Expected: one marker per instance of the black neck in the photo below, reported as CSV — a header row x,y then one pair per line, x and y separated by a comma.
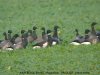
x,y
5,37
13,39
49,40
43,33
9,36
34,34
55,33
77,33
93,30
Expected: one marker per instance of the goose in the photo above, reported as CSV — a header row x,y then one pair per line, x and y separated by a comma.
x,y
10,40
78,40
13,38
92,36
41,38
86,38
55,37
9,35
30,37
5,37
23,43
7,42
19,39
45,42
44,35
34,33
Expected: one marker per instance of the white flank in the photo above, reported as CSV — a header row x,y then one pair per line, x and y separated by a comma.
x,y
9,49
54,43
14,44
75,43
86,43
36,47
45,44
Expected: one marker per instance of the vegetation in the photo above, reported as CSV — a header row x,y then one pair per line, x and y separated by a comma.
x,y
68,14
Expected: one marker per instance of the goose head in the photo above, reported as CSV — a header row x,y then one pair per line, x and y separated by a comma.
x,y
76,30
9,31
4,33
34,27
87,31
56,27
14,37
22,31
93,24
49,32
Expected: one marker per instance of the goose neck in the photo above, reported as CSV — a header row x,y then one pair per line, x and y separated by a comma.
x,y
9,36
55,33
5,37
93,30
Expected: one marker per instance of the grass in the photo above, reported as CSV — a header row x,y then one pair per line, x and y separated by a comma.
x,y
68,14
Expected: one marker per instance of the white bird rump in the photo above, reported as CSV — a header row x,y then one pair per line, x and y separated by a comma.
x,y
75,43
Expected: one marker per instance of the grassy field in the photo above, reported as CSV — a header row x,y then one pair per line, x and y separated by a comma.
x,y
68,14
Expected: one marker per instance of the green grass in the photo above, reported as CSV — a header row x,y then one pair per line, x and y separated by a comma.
x,y
68,14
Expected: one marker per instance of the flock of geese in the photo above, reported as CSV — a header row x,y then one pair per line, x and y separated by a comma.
x,y
21,41
30,37
91,36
